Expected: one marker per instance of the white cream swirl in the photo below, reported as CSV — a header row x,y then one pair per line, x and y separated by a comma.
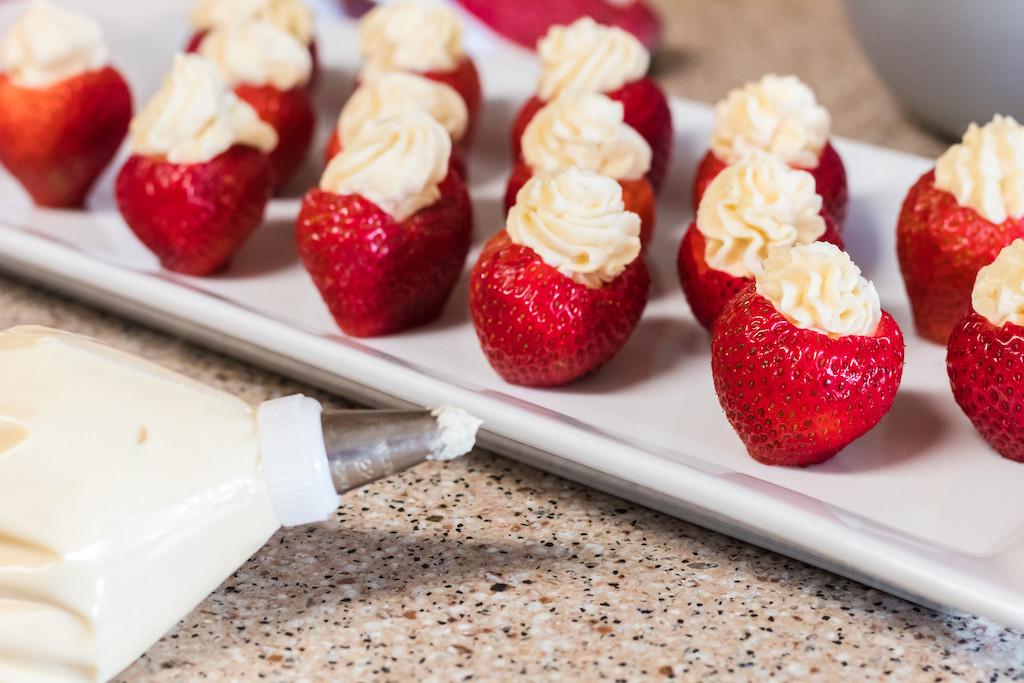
x,y
998,294
410,35
753,205
48,44
818,287
585,130
290,15
258,53
399,92
397,163
777,114
194,116
577,223
589,57
986,170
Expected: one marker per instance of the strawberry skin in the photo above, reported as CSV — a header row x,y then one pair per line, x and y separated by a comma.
x,y
707,289
378,276
645,109
637,195
829,181
941,247
526,23
538,327
794,396
291,114
194,217
57,140
985,364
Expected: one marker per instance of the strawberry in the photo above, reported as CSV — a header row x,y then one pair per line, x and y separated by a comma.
x,y
646,110
377,275
637,195
56,140
527,22
796,396
941,246
829,178
985,364
195,216
291,114
708,290
538,327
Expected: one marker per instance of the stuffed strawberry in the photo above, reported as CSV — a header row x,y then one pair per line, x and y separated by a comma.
x,y
268,68
292,16
985,354
804,360
386,234
399,92
754,205
778,115
557,293
424,38
198,179
956,218
63,110
588,131
587,57
527,21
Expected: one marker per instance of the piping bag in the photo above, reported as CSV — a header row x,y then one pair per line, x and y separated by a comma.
x,y
128,493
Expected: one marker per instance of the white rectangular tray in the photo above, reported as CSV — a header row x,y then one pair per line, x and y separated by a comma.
x,y
920,506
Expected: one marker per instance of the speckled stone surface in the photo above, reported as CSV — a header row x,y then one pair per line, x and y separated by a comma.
x,y
486,569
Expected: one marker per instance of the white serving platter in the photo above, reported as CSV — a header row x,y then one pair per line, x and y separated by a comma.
x,y
920,507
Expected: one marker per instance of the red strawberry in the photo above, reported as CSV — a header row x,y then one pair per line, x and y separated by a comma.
x,y
537,326
985,365
829,179
57,140
291,114
941,246
527,22
380,276
795,396
646,109
708,290
194,217
637,195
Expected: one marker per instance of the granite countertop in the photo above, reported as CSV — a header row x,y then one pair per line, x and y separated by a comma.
x,y
483,568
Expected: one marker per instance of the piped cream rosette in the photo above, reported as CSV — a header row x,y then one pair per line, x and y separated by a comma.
x,y
778,114
195,116
398,163
410,35
48,44
258,53
401,92
754,205
985,171
587,57
587,131
290,15
998,294
576,222
818,287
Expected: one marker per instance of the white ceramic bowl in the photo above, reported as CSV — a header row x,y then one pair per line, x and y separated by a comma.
x,y
949,62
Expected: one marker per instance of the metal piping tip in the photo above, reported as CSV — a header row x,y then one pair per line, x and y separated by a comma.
x,y
366,445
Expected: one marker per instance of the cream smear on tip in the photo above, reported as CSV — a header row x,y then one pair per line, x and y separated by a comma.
x,y
458,432
48,44
114,521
